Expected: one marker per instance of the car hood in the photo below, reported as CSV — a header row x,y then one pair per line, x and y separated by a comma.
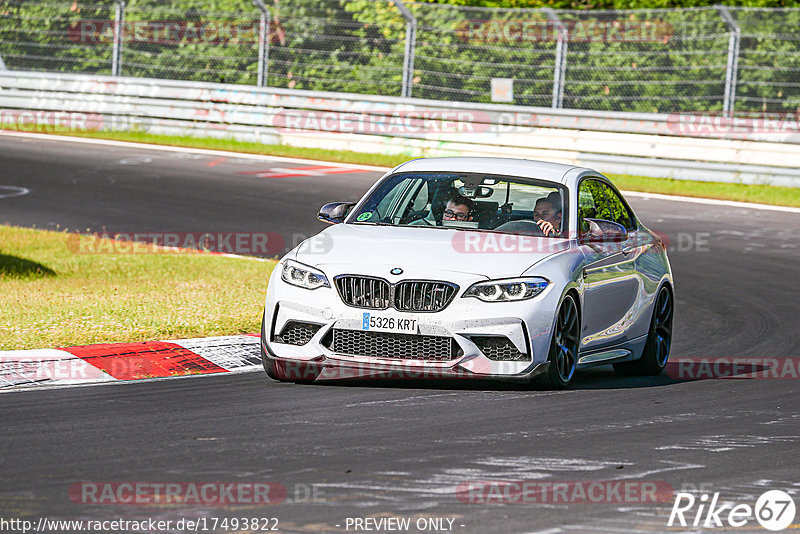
x,y
368,249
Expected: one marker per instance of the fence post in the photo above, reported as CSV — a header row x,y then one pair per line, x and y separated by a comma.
x,y
561,58
2,64
263,43
731,71
119,34
408,55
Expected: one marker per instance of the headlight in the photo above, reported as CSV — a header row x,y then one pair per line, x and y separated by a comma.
x,y
507,290
301,275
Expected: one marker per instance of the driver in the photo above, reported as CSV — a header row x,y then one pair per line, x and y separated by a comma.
x,y
547,213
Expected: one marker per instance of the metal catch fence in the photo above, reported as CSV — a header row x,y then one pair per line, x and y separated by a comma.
x,y
711,59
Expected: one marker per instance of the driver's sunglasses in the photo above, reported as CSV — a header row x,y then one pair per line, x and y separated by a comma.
x,y
450,214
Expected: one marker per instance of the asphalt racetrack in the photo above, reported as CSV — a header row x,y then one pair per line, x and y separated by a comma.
x,y
373,450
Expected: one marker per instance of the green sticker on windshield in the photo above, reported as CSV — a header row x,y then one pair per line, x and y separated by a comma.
x,y
364,216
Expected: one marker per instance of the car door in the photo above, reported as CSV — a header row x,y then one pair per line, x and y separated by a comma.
x,y
611,285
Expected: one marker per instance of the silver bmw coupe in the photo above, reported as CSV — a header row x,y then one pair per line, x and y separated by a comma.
x,y
473,268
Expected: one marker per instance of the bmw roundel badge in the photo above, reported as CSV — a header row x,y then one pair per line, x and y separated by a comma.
x,y
396,270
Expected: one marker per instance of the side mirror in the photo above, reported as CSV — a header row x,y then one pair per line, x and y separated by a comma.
x,y
335,212
602,231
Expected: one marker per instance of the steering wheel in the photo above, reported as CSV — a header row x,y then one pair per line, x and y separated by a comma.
x,y
524,227
414,216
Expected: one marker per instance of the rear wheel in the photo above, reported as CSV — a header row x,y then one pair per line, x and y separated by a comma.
x,y
659,340
563,357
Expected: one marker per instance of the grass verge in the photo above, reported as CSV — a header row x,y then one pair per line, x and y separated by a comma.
x,y
51,296
762,194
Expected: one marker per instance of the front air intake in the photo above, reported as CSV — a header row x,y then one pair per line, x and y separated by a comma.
x,y
297,333
408,296
423,295
364,291
499,348
393,345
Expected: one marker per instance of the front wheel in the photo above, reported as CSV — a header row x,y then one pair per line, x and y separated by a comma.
x,y
563,357
659,340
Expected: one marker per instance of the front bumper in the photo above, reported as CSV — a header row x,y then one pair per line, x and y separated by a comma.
x,y
526,324
324,368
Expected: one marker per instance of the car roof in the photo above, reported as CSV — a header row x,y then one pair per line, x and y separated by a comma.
x,y
526,168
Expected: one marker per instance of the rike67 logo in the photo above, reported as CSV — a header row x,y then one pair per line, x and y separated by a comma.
x,y
774,510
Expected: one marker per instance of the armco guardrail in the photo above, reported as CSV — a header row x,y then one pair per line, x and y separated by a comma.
x,y
747,150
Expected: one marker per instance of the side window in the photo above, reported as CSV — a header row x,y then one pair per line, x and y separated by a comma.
x,y
386,203
586,206
598,201
615,207
416,202
421,200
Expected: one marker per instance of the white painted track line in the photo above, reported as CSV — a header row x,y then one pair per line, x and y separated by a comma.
x,y
184,150
373,168
712,201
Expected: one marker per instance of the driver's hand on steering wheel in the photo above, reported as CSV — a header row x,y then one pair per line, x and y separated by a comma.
x,y
546,227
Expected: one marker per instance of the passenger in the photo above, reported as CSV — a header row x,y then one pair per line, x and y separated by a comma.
x,y
547,214
458,208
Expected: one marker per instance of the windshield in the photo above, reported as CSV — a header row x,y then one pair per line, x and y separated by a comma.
x,y
467,201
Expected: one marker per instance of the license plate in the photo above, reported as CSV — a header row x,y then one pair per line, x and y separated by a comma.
x,y
388,323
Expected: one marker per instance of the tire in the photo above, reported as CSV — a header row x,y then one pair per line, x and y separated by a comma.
x,y
563,356
659,340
